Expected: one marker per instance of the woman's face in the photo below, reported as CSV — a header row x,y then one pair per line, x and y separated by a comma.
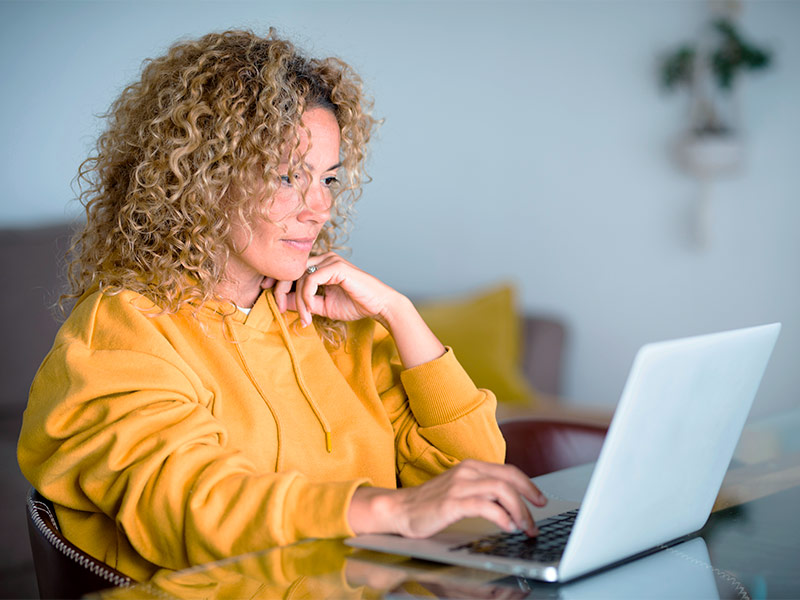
x,y
280,247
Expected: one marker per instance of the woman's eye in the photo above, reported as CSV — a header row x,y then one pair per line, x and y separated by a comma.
x,y
329,181
290,179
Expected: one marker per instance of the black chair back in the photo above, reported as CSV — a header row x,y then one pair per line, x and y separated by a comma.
x,y
62,569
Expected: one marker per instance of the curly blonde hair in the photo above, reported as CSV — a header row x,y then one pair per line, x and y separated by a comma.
x,y
182,143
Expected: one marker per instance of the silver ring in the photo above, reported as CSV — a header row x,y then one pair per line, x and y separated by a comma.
x,y
311,269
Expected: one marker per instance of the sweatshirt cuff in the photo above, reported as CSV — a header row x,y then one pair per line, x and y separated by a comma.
x,y
322,508
440,391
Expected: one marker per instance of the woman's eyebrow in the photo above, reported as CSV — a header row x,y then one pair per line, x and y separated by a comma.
x,y
333,168
310,167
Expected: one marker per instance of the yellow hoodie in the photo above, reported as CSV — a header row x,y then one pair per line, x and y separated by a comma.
x,y
179,439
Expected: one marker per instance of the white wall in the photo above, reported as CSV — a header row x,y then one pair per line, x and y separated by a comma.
x,y
523,141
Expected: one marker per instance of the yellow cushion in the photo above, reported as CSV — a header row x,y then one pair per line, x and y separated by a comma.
x,y
484,331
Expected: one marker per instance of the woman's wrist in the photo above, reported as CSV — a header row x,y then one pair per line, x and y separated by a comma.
x,y
395,311
371,510
416,343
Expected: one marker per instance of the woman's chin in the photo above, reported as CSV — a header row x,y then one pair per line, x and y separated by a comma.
x,y
289,274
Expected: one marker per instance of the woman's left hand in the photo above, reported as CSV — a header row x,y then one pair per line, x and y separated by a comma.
x,y
346,293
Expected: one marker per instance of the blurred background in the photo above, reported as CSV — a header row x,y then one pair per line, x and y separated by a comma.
x,y
526,142
530,143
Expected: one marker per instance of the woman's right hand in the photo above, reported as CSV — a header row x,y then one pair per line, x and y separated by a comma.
x,y
470,489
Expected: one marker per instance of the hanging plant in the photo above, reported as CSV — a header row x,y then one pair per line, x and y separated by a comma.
x,y
722,60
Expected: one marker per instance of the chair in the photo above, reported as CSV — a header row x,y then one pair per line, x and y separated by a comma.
x,y
62,569
543,341
539,446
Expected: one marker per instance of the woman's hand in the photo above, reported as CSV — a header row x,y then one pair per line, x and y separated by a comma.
x,y
346,293
470,489
338,290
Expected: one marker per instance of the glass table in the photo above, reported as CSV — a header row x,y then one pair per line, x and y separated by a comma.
x,y
749,548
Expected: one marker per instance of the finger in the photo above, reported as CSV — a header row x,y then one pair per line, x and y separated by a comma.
x,y
304,293
507,497
291,301
315,307
486,509
428,520
280,291
267,283
306,298
510,474
322,260
504,483
304,289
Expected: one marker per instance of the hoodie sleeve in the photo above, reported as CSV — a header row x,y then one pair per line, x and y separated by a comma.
x,y
128,434
439,417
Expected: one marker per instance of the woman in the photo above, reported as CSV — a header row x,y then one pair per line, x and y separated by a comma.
x,y
187,410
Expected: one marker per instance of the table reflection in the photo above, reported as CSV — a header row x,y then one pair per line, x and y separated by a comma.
x,y
750,548
329,569
745,551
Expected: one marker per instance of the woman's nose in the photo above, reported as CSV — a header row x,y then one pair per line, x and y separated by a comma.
x,y
317,204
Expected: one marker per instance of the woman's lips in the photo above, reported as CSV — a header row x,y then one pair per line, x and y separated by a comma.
x,y
301,244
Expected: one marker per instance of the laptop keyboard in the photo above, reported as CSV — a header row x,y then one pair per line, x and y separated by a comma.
x,y
545,547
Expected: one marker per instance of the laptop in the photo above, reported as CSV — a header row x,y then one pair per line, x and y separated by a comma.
x,y
666,452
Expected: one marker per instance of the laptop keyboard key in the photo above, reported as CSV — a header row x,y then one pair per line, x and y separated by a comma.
x,y
546,547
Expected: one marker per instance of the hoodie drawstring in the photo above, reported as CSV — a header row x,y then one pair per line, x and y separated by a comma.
x,y
298,373
285,336
237,345
287,342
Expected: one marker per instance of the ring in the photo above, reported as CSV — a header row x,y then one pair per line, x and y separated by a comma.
x,y
311,269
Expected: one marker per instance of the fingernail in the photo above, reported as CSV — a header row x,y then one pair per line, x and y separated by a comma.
x,y
530,527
